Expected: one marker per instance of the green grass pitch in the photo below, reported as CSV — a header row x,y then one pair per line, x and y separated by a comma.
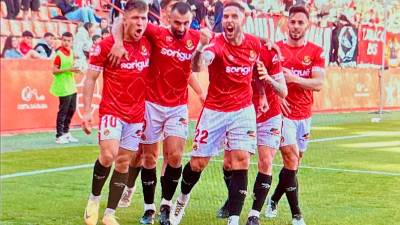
x,y
344,181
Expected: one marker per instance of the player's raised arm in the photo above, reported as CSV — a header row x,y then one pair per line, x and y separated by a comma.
x,y
259,87
205,36
194,83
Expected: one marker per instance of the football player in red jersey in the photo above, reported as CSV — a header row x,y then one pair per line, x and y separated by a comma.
x,y
166,116
303,66
269,126
228,112
121,109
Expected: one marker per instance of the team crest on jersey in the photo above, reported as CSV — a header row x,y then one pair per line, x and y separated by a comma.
x,y
306,60
144,51
169,38
189,45
253,55
251,133
230,57
106,132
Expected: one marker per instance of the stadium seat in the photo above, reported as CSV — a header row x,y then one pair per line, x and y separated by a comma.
x,y
5,27
27,25
15,27
62,27
44,13
51,27
39,28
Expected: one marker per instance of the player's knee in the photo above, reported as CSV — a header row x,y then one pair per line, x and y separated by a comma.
x,y
227,165
175,159
150,160
265,166
240,161
198,165
136,161
291,162
106,159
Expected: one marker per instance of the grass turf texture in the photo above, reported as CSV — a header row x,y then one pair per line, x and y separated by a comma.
x,y
326,197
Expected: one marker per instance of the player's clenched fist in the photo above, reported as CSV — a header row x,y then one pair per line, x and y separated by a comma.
x,y
205,36
87,123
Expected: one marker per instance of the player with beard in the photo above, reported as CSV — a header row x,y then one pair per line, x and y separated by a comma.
x,y
228,112
269,126
121,110
166,116
303,66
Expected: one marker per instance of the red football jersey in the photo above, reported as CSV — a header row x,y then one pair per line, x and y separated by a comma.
x,y
170,65
271,61
124,85
302,61
230,71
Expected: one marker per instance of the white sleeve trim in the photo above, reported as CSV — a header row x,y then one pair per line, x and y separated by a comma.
x,y
95,68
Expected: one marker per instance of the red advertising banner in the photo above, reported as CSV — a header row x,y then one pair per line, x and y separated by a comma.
x,y
27,105
370,45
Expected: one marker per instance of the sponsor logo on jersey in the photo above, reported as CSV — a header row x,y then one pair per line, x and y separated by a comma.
x,y
144,51
244,70
301,73
136,65
176,54
306,60
253,55
189,45
251,133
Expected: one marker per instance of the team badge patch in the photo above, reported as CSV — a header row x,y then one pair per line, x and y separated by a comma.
x,y
253,55
274,131
251,133
106,132
306,137
195,147
144,51
306,60
189,44
183,121
139,133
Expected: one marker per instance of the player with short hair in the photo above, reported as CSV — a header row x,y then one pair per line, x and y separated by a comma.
x,y
269,126
228,112
303,66
166,116
121,109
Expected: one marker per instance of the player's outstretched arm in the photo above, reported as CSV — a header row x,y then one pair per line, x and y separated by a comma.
x,y
117,51
194,83
315,83
88,88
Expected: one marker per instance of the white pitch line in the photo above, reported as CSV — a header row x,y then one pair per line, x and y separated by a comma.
x,y
68,168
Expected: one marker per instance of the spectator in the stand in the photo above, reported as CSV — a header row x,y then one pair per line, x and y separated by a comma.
x,y
26,42
45,46
199,10
154,11
72,12
82,44
105,33
32,5
218,13
13,7
64,87
102,25
96,39
10,50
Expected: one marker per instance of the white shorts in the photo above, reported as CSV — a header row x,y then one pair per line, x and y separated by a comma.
x,y
269,132
296,132
128,134
162,121
237,130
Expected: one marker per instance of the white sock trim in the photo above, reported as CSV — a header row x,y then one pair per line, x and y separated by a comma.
x,y
233,220
109,212
94,197
149,207
183,198
166,202
254,213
